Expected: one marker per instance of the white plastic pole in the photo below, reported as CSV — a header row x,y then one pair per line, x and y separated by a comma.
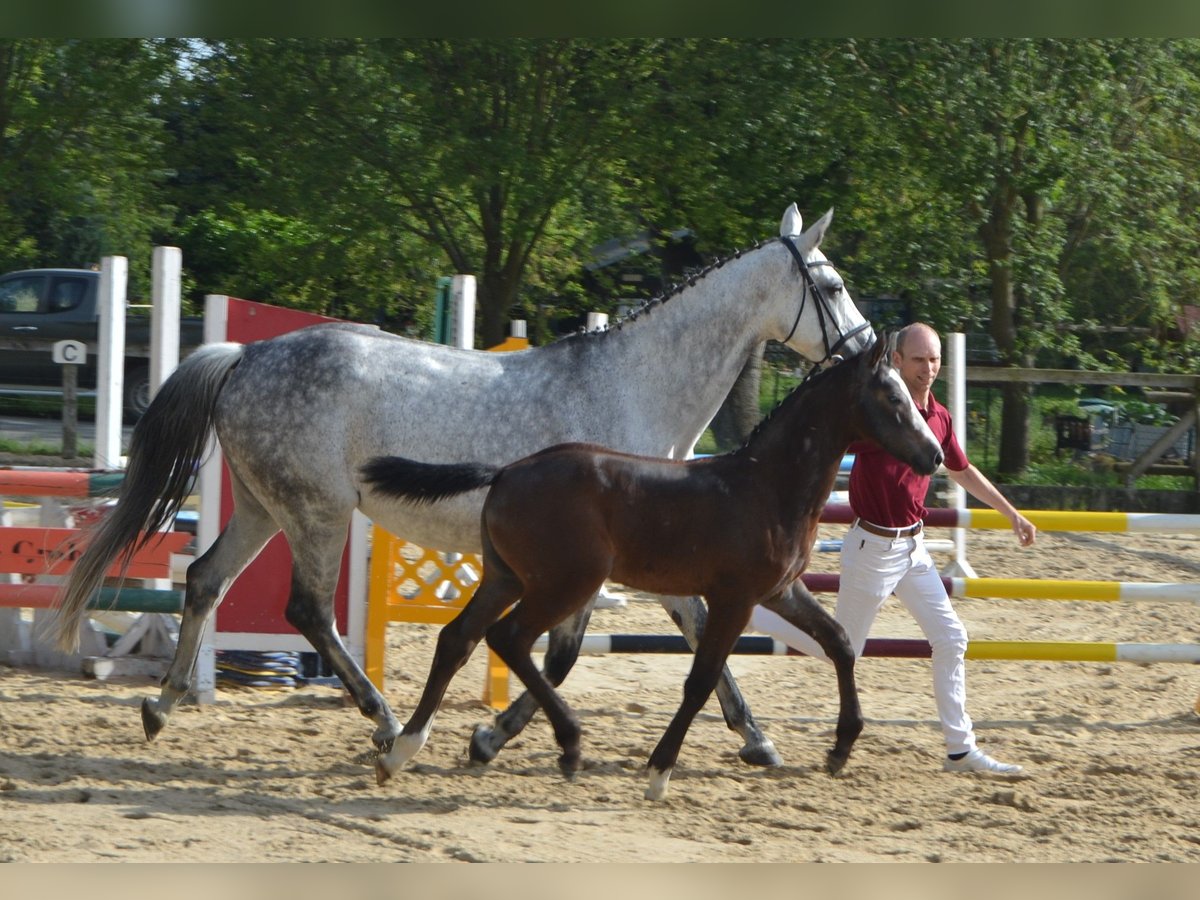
x,y
462,306
208,528
166,292
956,373
110,361
597,321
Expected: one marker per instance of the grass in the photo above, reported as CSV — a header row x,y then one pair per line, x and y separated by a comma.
x,y
43,408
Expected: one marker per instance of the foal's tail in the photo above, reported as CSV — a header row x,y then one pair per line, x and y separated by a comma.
x,y
425,483
168,444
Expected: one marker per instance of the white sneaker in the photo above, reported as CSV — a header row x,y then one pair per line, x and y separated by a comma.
x,y
978,761
605,600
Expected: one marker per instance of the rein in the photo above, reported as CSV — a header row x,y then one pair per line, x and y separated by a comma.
x,y
822,305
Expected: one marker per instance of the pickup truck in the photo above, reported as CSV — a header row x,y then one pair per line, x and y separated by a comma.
x,y
39,307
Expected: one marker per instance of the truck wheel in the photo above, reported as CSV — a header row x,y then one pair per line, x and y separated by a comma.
x,y
137,392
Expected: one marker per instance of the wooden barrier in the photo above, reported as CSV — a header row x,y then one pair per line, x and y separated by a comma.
x,y
37,552
52,551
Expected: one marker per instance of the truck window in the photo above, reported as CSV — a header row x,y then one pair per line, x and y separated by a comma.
x,y
20,295
67,293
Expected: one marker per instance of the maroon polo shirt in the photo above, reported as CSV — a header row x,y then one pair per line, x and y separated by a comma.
x,y
888,492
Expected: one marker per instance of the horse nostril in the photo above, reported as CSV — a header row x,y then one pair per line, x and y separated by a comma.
x,y
938,458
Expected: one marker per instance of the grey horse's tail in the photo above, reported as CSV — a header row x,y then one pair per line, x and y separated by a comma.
x,y
168,444
425,483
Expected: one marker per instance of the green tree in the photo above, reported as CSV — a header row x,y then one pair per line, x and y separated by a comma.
x,y
81,142
1024,152
502,155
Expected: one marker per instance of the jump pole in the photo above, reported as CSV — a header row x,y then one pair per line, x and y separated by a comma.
x,y
906,648
1044,519
1041,589
123,599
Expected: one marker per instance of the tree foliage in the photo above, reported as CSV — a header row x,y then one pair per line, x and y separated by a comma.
x,y
1041,190
82,165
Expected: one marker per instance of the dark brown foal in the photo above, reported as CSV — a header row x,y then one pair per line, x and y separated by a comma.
x,y
737,529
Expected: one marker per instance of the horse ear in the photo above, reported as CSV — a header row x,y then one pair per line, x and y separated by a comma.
x,y
881,350
792,223
816,232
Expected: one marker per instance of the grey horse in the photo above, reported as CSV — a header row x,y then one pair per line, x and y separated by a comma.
x,y
298,415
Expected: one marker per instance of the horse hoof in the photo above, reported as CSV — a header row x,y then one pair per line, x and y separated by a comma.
x,y
835,762
657,788
384,740
382,773
569,766
763,754
152,720
480,750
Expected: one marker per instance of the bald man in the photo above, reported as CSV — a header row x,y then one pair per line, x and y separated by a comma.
x,y
884,553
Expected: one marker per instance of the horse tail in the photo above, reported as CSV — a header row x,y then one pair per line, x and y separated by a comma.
x,y
168,444
425,483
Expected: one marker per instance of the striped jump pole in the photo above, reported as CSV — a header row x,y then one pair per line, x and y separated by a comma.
x,y
907,648
57,483
1041,589
1044,519
124,599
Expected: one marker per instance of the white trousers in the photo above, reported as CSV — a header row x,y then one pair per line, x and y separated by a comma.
x,y
873,568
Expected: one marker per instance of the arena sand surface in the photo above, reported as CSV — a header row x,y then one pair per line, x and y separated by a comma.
x,y
1112,753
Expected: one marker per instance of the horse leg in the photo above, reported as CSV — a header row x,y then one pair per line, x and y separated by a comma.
x,y
689,614
798,606
208,578
455,644
562,652
316,564
512,639
726,620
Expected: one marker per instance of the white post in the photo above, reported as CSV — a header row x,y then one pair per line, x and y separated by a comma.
x,y
110,361
597,321
208,528
166,291
956,368
516,328
462,312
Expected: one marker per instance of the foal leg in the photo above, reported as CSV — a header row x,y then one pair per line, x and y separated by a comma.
x,y
689,614
512,638
798,606
208,578
455,644
565,640
726,620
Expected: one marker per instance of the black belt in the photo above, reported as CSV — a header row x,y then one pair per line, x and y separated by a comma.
x,y
894,533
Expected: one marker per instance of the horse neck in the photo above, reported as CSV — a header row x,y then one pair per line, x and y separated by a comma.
x,y
693,345
803,441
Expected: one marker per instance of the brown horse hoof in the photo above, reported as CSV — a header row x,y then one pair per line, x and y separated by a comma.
x,y
152,720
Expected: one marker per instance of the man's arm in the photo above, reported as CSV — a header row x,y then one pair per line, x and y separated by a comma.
x,y
978,486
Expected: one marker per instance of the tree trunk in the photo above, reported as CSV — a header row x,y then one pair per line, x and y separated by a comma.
x,y
739,414
996,234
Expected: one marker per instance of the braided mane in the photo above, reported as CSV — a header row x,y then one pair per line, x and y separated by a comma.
x,y
674,290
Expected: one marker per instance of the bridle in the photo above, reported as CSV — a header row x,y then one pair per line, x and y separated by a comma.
x,y
822,305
